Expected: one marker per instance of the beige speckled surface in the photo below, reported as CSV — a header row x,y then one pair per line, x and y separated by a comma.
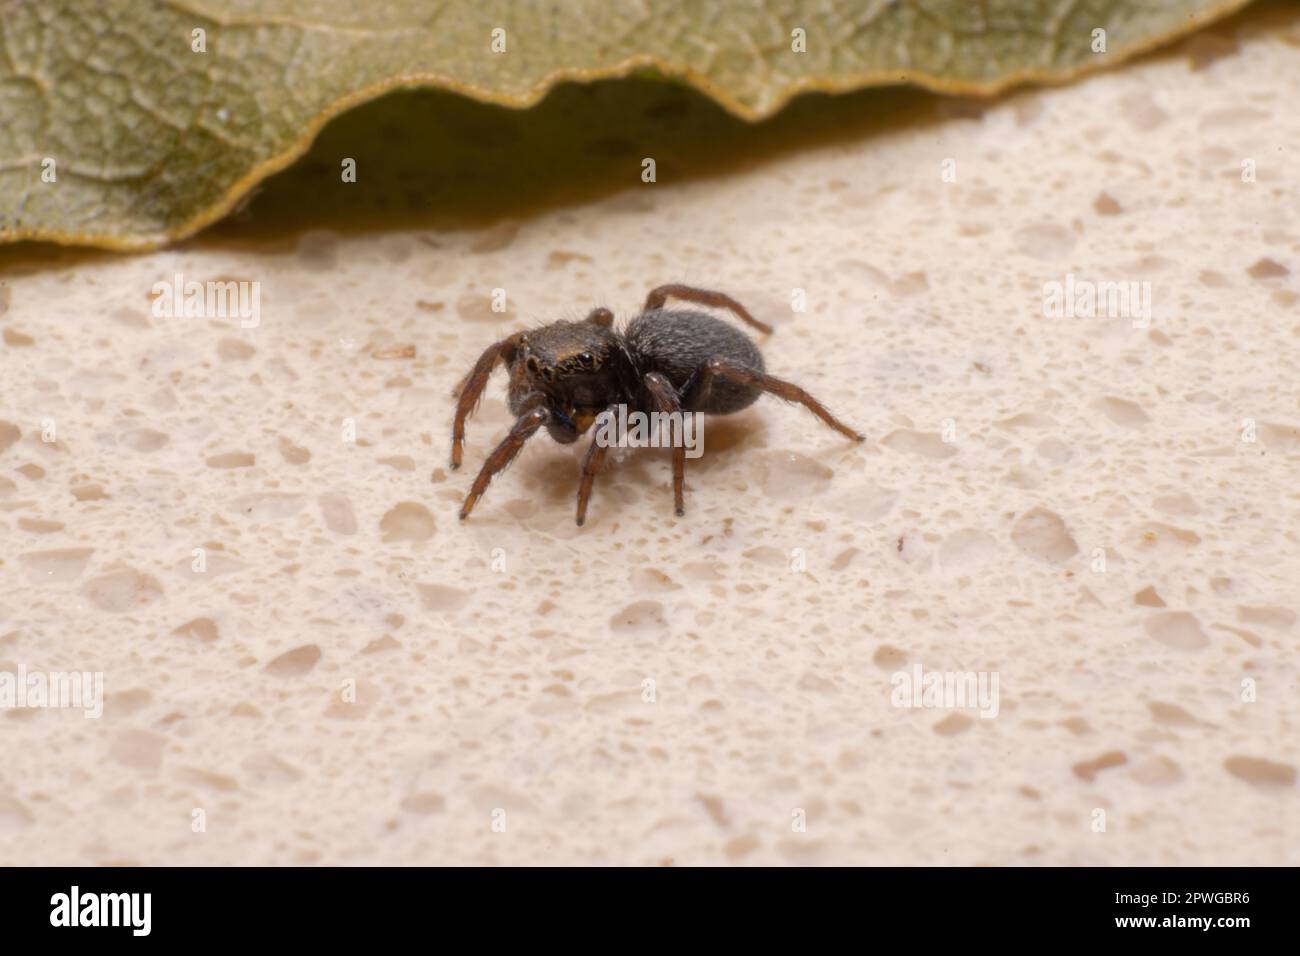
x,y
501,664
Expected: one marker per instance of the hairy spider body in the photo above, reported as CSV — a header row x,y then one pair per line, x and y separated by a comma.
x,y
678,345
564,375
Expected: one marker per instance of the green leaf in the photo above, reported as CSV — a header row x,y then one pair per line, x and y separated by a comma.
x,y
117,131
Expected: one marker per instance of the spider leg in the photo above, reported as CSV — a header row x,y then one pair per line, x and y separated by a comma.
x,y
470,390
721,368
591,466
717,300
664,398
524,428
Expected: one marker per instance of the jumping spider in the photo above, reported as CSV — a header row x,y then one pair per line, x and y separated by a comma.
x,y
563,375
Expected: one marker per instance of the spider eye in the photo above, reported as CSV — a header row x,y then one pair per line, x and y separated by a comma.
x,y
586,360
531,365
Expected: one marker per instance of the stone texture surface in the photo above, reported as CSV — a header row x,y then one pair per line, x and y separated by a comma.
x,y
351,675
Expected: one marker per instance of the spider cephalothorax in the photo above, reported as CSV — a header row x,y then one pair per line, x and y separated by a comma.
x,y
575,366
564,375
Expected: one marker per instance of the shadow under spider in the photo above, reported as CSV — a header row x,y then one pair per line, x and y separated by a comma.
x,y
547,474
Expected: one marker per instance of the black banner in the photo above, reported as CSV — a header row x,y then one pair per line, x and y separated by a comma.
x,y
334,906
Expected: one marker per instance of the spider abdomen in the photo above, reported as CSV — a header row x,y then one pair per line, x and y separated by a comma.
x,y
679,343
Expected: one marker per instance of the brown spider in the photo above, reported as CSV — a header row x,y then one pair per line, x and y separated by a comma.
x,y
564,375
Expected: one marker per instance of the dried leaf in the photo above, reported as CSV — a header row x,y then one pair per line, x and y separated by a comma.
x,y
130,123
